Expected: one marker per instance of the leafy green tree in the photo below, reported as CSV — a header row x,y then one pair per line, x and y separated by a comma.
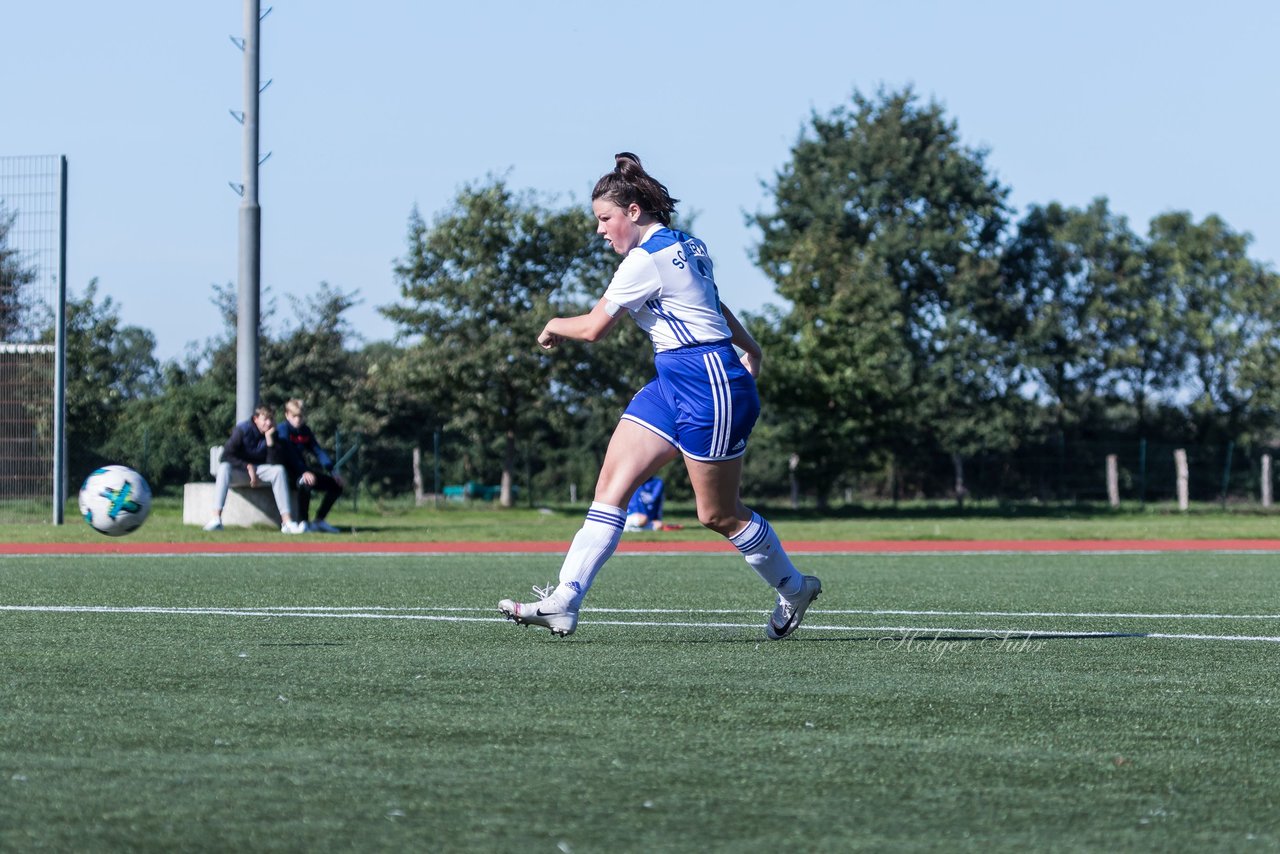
x,y
1051,305
884,237
477,286
316,359
1259,368
108,366
1142,358
167,435
1228,320
312,358
14,276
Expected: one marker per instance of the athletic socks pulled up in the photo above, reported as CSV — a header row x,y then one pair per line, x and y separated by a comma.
x,y
594,543
764,552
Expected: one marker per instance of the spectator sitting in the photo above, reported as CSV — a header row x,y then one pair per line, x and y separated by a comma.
x,y
644,512
298,440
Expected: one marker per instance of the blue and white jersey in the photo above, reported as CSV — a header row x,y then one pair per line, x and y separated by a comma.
x,y
667,284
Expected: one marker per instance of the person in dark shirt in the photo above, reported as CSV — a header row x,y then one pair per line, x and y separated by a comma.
x,y
297,441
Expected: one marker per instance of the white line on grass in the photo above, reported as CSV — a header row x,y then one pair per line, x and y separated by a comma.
x,y
374,610
889,612
389,614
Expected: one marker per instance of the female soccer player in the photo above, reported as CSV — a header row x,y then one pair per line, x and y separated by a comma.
x,y
702,404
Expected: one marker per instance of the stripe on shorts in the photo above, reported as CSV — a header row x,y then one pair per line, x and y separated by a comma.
x,y
722,403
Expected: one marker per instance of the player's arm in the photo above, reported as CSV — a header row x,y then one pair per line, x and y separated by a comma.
x,y
751,352
589,327
231,449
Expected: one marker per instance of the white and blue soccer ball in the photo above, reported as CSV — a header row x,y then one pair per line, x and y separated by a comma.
x,y
115,500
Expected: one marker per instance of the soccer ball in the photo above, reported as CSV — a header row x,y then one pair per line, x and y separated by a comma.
x,y
115,500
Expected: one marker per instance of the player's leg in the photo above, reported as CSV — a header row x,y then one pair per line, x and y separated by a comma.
x,y
304,501
332,492
278,477
635,453
719,409
716,487
221,486
638,522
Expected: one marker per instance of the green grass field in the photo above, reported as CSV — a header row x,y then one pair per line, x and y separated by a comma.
x,y
377,703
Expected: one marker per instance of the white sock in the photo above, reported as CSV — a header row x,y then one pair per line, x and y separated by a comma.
x,y
592,546
763,550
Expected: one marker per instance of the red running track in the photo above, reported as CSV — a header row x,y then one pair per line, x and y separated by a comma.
x,y
344,546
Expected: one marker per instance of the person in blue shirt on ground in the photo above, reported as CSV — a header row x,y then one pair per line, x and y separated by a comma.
x,y
297,437
251,457
702,404
644,511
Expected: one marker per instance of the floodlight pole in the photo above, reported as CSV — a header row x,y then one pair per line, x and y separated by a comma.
x,y
250,262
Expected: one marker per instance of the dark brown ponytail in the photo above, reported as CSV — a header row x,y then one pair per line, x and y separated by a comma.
x,y
628,183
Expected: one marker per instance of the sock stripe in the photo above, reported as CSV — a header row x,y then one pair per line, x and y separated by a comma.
x,y
758,539
754,539
613,520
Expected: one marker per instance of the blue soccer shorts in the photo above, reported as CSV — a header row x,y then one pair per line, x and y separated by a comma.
x,y
703,401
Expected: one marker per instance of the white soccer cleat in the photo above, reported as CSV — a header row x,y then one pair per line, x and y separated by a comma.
x,y
560,619
324,527
786,617
293,526
213,525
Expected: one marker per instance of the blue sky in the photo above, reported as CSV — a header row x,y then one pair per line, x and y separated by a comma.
x,y
380,106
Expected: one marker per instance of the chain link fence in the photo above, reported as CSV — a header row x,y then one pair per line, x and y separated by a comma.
x,y
32,257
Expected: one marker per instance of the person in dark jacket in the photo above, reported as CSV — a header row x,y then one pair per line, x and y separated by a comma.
x,y
297,441
251,457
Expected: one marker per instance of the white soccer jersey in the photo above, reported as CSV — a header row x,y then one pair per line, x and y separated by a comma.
x,y
667,284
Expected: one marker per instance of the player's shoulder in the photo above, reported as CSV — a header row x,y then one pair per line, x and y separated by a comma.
x,y
665,238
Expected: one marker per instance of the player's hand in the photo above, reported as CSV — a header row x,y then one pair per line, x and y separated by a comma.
x,y
548,340
309,478
253,475
752,364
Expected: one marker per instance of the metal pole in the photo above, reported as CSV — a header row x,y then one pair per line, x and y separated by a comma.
x,y
1226,473
60,357
435,449
1142,471
250,262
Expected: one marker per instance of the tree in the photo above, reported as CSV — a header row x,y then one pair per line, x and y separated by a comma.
x,y
168,432
13,278
1227,319
167,435
1052,305
108,366
1142,357
314,359
884,237
476,287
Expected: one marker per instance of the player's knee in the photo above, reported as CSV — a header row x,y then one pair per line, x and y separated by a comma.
x,y
720,522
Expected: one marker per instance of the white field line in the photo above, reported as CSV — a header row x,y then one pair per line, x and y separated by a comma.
x,y
758,611
390,614
378,610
